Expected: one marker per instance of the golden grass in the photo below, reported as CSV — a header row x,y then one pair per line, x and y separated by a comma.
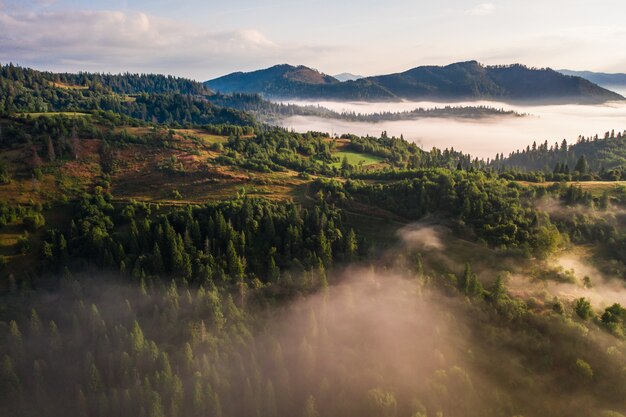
x,y
203,135
596,188
55,113
68,86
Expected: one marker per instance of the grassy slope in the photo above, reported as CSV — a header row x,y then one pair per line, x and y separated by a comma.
x,y
596,188
184,172
357,158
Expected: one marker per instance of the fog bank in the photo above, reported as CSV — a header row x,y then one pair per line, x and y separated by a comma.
x,y
479,137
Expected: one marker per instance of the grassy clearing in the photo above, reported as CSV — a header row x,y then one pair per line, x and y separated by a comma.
x,y
355,158
9,236
596,188
202,134
68,86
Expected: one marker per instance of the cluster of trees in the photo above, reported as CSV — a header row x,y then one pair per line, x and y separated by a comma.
x,y
588,158
126,83
490,209
403,155
245,240
229,130
275,149
613,318
176,110
586,219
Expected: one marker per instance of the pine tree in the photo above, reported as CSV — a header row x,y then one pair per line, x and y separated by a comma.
x,y
582,166
310,410
137,339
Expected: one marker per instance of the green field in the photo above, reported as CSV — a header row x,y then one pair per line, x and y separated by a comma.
x,y
355,158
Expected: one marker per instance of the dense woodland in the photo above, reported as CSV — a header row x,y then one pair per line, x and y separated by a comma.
x,y
589,158
151,98
306,281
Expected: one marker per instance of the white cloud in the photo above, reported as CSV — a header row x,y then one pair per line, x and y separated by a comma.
x,y
482,9
119,41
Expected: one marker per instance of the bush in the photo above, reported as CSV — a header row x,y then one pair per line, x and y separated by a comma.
x,y
34,222
583,308
23,244
584,369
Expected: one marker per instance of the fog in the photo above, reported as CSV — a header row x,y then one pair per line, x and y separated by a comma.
x,y
479,137
380,341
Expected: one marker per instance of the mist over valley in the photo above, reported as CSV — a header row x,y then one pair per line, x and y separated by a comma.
x,y
483,137
442,237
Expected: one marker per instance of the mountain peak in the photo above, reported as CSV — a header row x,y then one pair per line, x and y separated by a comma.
x,y
466,80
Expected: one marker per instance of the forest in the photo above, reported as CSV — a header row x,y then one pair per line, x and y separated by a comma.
x,y
586,159
165,255
268,111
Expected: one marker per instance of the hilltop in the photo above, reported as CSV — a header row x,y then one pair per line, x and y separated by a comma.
x,y
287,81
460,81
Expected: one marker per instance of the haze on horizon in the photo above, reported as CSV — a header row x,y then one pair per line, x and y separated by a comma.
x,y
202,40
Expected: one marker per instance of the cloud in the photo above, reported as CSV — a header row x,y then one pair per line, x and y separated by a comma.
x,y
423,236
482,9
120,41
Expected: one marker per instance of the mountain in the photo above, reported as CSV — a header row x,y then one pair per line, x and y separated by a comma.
x,y
346,76
287,81
468,80
460,81
601,78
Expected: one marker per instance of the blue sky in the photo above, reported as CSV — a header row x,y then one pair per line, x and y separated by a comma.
x,y
204,39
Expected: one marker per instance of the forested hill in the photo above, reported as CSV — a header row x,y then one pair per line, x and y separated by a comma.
x,y
287,81
459,81
152,98
600,155
126,83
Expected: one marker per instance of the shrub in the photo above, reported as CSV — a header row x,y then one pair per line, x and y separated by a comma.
x,y
34,222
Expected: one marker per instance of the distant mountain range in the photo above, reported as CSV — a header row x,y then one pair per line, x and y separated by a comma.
x,y
460,81
346,76
601,78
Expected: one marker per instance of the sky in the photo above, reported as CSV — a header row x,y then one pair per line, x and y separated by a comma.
x,y
203,39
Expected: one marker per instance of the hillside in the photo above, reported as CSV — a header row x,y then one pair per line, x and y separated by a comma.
x,y
185,268
587,158
460,81
286,81
606,80
154,98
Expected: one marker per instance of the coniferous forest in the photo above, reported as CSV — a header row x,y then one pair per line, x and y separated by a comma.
x,y
164,251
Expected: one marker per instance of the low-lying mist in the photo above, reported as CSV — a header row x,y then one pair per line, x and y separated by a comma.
x,y
480,137
386,338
